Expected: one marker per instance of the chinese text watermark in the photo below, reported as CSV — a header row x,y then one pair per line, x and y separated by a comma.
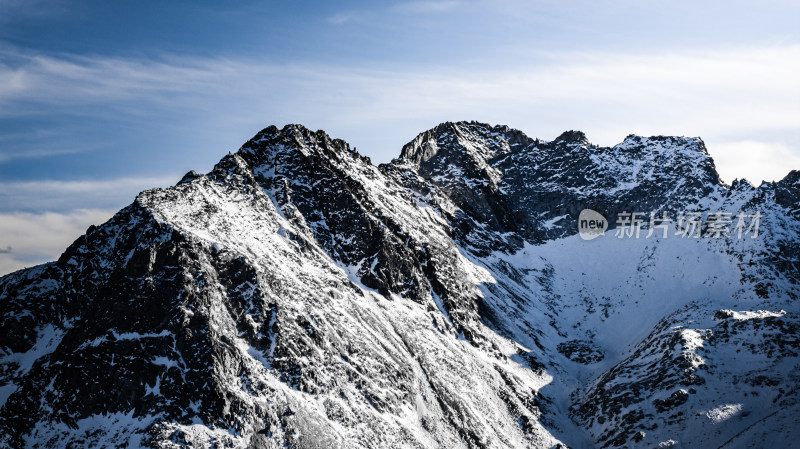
x,y
718,224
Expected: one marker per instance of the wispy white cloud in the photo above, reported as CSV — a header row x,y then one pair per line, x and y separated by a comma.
x,y
35,153
66,196
377,15
730,95
30,239
342,18
41,141
79,80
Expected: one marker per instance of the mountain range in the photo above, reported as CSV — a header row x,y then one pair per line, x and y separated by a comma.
x,y
299,296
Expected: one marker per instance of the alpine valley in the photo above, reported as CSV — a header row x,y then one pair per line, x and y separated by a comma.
x,y
299,296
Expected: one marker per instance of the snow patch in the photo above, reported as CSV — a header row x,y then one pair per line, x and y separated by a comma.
x,y
49,337
723,412
754,314
104,431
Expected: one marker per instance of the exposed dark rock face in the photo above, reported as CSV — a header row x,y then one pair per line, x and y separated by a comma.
x,y
580,351
299,296
504,182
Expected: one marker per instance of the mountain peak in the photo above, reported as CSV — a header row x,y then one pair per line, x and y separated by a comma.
x,y
468,136
272,141
692,143
293,132
572,136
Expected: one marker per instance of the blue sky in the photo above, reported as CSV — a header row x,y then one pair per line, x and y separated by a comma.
x,y
99,100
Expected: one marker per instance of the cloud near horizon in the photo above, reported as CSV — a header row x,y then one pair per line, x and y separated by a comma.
x,y
40,238
65,196
731,98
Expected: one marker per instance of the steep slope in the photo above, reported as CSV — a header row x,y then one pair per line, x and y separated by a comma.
x,y
637,320
298,295
217,310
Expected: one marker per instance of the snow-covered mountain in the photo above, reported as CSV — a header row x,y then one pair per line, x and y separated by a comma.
x,y
299,296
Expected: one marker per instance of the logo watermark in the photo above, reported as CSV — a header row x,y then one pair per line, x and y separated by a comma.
x,y
592,224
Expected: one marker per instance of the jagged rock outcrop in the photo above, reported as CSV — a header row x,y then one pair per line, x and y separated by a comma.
x,y
505,182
